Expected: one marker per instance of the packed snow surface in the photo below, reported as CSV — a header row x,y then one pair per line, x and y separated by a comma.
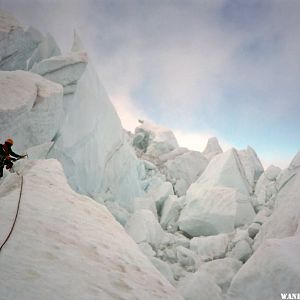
x,y
67,246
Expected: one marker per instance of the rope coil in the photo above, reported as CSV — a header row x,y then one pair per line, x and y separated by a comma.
x,y
16,216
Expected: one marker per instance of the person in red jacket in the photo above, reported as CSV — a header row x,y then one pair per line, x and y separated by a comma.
x,y
7,156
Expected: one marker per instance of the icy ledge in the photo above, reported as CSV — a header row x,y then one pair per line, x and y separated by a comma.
x,y
66,246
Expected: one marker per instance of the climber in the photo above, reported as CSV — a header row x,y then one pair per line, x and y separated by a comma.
x,y
7,156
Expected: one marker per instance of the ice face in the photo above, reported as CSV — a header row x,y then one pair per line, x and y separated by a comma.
x,y
212,148
154,140
46,49
92,146
31,108
16,44
64,69
224,170
219,200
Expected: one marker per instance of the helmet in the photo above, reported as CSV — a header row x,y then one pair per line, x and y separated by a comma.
x,y
9,141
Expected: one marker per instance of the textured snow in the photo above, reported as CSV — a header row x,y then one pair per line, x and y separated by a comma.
x,y
66,246
31,108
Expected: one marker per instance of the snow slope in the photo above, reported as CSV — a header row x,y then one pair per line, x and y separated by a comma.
x,y
67,246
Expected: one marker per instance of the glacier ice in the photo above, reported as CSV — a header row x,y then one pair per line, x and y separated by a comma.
x,y
224,170
46,49
219,200
266,186
16,44
273,269
215,210
64,69
154,140
187,257
83,124
212,148
222,270
92,146
251,165
77,45
31,108
184,169
210,247
163,268
199,286
170,213
241,251
143,227
159,146
253,230
285,218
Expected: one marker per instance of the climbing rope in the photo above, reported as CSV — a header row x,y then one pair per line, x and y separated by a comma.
x,y
16,216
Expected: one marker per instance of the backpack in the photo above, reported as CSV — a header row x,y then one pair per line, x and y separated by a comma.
x,y
3,154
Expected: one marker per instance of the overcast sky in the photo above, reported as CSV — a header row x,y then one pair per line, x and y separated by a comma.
x,y
225,68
